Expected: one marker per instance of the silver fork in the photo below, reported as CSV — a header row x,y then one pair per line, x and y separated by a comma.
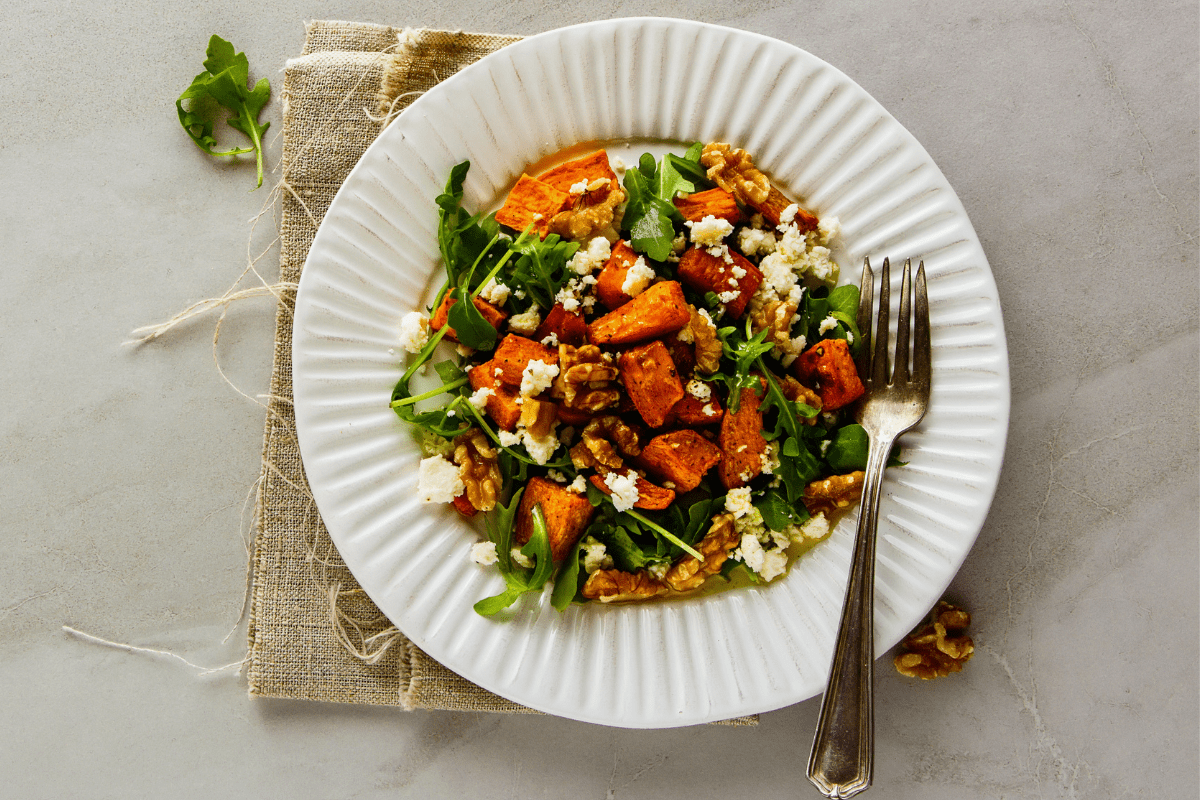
x,y
843,750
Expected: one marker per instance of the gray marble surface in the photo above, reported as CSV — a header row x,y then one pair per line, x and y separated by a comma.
x,y
1069,131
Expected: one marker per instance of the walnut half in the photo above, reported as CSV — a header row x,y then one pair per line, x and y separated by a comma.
x,y
704,336
733,170
585,377
600,442
689,572
939,647
478,467
833,494
614,586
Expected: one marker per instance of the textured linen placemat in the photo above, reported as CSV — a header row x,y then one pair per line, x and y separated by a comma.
x,y
314,634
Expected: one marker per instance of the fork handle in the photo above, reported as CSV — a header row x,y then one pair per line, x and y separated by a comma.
x,y
843,751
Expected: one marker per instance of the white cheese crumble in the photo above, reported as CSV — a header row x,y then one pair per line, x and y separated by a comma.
x,y
508,438
520,559
537,377
495,293
556,476
484,553
815,527
637,278
788,214
526,322
737,502
593,257
578,486
595,555
624,489
750,552
438,480
710,231
828,229
827,324
414,331
551,339
729,296
579,188
479,397
658,570
769,458
698,389
618,166
753,242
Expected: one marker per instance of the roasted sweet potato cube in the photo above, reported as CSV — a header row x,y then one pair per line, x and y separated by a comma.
x,y
587,168
705,272
681,457
514,354
775,204
713,202
490,313
659,310
651,380
741,442
612,277
567,326
502,404
567,515
693,411
650,497
828,367
532,201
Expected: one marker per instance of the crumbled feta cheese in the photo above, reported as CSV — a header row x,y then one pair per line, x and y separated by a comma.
x,y
637,278
579,188
729,296
592,258
618,166
556,476
537,377
791,350
774,564
495,293
579,485
815,527
827,324
738,274
595,555
414,331
710,231
438,480
828,229
685,335
769,458
540,448
788,214
484,553
526,322
753,242
737,502
479,397
750,552
464,351
508,438
520,559
698,389
720,251
779,274
624,489
551,339
710,410
658,570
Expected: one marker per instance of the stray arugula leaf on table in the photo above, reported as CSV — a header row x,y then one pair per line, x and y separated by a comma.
x,y
224,83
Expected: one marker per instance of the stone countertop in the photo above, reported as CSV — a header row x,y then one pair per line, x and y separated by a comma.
x,y
1069,131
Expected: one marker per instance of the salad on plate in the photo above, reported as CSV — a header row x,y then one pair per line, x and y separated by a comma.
x,y
651,389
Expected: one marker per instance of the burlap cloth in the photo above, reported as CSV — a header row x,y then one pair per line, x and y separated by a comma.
x,y
314,634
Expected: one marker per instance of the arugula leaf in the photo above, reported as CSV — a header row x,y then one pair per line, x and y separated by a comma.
x,y
778,513
519,581
225,83
469,325
626,554
848,449
542,267
650,216
566,583
688,166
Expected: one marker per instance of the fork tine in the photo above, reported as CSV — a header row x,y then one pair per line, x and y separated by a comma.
x,y
879,362
900,375
866,299
921,365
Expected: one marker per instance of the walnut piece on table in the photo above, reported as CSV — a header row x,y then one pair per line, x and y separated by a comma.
x,y
733,170
615,586
585,377
939,647
689,572
479,468
834,494
600,442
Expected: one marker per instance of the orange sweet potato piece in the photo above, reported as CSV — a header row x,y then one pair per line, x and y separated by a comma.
x,y
659,310
774,205
463,506
691,411
681,457
568,326
490,313
612,277
567,515
650,497
651,381
713,202
587,168
705,272
514,354
502,405
828,367
532,201
741,442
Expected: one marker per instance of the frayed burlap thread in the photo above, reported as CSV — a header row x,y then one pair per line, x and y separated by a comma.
x,y
313,632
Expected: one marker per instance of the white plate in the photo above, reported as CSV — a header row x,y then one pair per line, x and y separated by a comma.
x,y
826,142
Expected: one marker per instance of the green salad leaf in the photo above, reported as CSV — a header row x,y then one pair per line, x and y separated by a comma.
x,y
225,84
